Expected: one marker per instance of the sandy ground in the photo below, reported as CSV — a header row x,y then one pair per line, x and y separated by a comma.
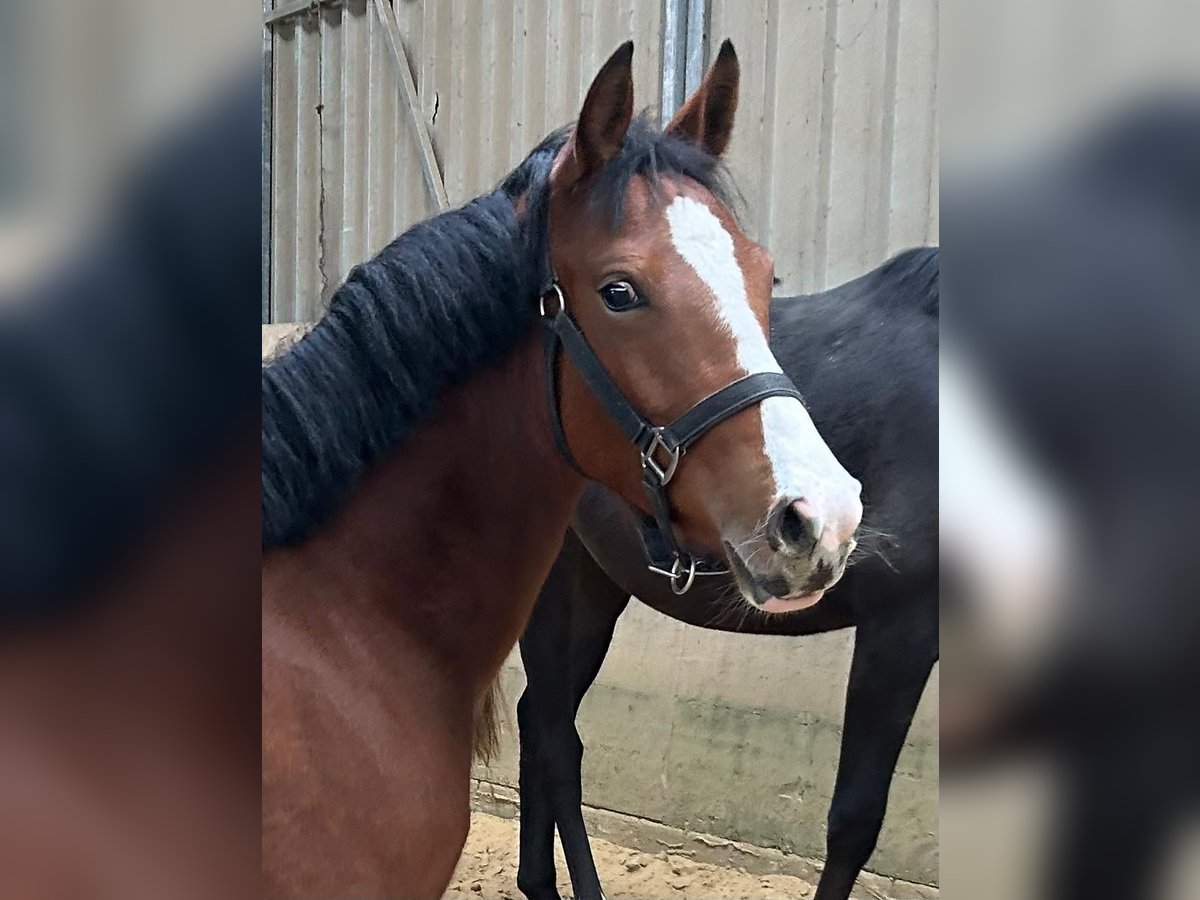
x,y
488,870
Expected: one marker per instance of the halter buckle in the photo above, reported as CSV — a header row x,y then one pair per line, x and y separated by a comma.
x,y
666,472
562,302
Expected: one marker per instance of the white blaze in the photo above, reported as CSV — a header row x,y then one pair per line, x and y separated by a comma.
x,y
801,463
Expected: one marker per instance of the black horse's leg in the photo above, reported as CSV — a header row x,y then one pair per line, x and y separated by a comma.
x,y
544,654
563,646
597,604
891,664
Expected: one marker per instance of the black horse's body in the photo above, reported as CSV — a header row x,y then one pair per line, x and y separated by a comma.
x,y
865,357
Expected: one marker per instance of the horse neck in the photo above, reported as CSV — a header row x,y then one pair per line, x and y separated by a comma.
x,y
449,539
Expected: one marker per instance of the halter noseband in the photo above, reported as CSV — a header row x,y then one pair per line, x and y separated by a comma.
x,y
661,446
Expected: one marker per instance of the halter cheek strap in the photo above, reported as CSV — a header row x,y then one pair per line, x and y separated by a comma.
x,y
660,447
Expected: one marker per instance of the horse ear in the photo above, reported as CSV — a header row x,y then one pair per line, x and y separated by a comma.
x,y
707,116
603,120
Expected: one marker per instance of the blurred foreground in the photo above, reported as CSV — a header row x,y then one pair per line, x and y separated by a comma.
x,y
129,301
1070,438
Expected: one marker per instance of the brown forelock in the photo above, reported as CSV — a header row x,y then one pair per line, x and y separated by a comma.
x,y
664,357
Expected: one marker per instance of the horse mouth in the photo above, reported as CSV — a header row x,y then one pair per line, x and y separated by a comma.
x,y
771,595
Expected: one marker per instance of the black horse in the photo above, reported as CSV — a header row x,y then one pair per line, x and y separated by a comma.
x,y
865,357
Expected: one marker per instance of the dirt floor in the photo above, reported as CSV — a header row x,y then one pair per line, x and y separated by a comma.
x,y
488,870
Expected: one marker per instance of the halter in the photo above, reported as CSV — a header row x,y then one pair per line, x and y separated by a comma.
x,y
661,446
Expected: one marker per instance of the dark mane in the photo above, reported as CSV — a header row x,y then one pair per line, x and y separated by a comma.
x,y
450,296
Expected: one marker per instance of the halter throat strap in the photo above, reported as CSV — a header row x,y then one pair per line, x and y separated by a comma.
x,y
660,447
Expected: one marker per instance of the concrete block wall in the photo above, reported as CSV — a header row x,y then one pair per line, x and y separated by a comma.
x,y
735,736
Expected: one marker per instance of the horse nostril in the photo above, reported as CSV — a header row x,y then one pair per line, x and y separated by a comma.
x,y
797,526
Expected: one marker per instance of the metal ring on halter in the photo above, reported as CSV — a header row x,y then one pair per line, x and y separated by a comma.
x,y
562,301
700,573
677,572
665,474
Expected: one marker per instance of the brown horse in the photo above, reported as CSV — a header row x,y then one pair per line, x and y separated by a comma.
x,y
414,498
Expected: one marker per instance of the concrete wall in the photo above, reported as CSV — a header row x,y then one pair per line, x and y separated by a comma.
x,y
736,736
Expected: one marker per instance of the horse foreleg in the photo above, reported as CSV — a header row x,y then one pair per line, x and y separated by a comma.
x,y
891,664
536,876
562,649
544,654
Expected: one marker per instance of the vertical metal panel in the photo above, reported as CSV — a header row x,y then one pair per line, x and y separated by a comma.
x,y
674,63
410,205
331,122
352,184
268,119
283,174
914,198
492,77
697,48
835,147
309,189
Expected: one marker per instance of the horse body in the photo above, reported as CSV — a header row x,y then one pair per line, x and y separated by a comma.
x,y
368,674
420,455
865,357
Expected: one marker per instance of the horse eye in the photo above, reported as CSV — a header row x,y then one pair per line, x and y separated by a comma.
x,y
619,296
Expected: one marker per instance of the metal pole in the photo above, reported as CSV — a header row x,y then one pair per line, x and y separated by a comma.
x,y
697,52
673,56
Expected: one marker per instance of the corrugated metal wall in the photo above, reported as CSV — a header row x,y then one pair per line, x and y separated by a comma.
x,y
835,148
493,78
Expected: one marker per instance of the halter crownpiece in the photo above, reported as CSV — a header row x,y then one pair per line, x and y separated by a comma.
x,y
661,447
